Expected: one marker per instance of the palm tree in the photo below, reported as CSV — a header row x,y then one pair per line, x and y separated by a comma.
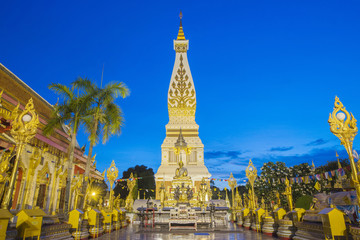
x,y
105,117
71,112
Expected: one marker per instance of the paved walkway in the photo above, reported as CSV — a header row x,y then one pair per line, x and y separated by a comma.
x,y
233,233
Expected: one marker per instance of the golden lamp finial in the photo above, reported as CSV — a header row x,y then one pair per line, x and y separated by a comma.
x,y
181,35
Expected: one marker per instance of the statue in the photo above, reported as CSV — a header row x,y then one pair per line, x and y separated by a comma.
x,y
4,167
277,202
183,194
314,203
203,191
246,201
181,171
288,194
263,203
100,205
117,202
162,194
238,204
129,199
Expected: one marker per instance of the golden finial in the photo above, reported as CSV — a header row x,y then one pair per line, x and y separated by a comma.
x,y
339,164
181,35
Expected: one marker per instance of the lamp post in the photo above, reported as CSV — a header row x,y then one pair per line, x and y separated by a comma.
x,y
112,174
251,174
24,127
343,125
232,184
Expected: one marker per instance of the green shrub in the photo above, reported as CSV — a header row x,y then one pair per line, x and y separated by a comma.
x,y
304,202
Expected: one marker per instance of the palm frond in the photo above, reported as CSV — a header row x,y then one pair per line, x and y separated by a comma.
x,y
113,121
84,84
117,89
62,90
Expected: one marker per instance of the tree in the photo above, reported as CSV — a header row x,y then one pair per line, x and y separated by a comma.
x,y
105,116
147,182
71,113
269,182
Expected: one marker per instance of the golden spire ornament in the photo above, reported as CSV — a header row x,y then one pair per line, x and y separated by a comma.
x,y
343,125
24,128
112,174
181,35
232,184
251,174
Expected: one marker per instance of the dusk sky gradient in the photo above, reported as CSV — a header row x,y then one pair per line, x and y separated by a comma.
x,y
265,72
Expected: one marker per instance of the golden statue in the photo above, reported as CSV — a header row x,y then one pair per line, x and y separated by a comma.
x,y
76,186
100,205
314,203
246,201
117,202
4,167
181,171
278,201
203,191
288,194
129,199
263,203
238,204
162,194
183,193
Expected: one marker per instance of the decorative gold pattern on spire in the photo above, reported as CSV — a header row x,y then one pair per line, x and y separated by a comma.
x,y
181,35
182,99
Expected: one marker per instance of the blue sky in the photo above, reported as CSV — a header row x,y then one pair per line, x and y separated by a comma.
x,y
265,72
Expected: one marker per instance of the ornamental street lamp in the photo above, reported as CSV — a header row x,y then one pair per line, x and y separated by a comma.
x,y
24,127
343,125
232,184
251,174
112,174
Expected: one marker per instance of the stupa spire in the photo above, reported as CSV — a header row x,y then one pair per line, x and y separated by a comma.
x,y
181,35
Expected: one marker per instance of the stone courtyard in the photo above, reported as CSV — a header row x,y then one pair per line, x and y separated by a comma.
x,y
233,233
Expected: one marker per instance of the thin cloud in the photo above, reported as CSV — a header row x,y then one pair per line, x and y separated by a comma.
x,y
317,142
221,154
320,156
280,149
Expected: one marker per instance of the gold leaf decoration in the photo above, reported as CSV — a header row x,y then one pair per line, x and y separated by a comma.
x,y
182,98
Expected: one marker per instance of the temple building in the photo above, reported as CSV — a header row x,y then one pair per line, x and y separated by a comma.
x,y
182,126
43,166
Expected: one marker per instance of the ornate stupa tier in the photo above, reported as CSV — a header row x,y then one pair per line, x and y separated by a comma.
x,y
181,94
182,108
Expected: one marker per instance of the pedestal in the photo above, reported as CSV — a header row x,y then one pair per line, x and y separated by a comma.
x,y
286,229
247,222
268,227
